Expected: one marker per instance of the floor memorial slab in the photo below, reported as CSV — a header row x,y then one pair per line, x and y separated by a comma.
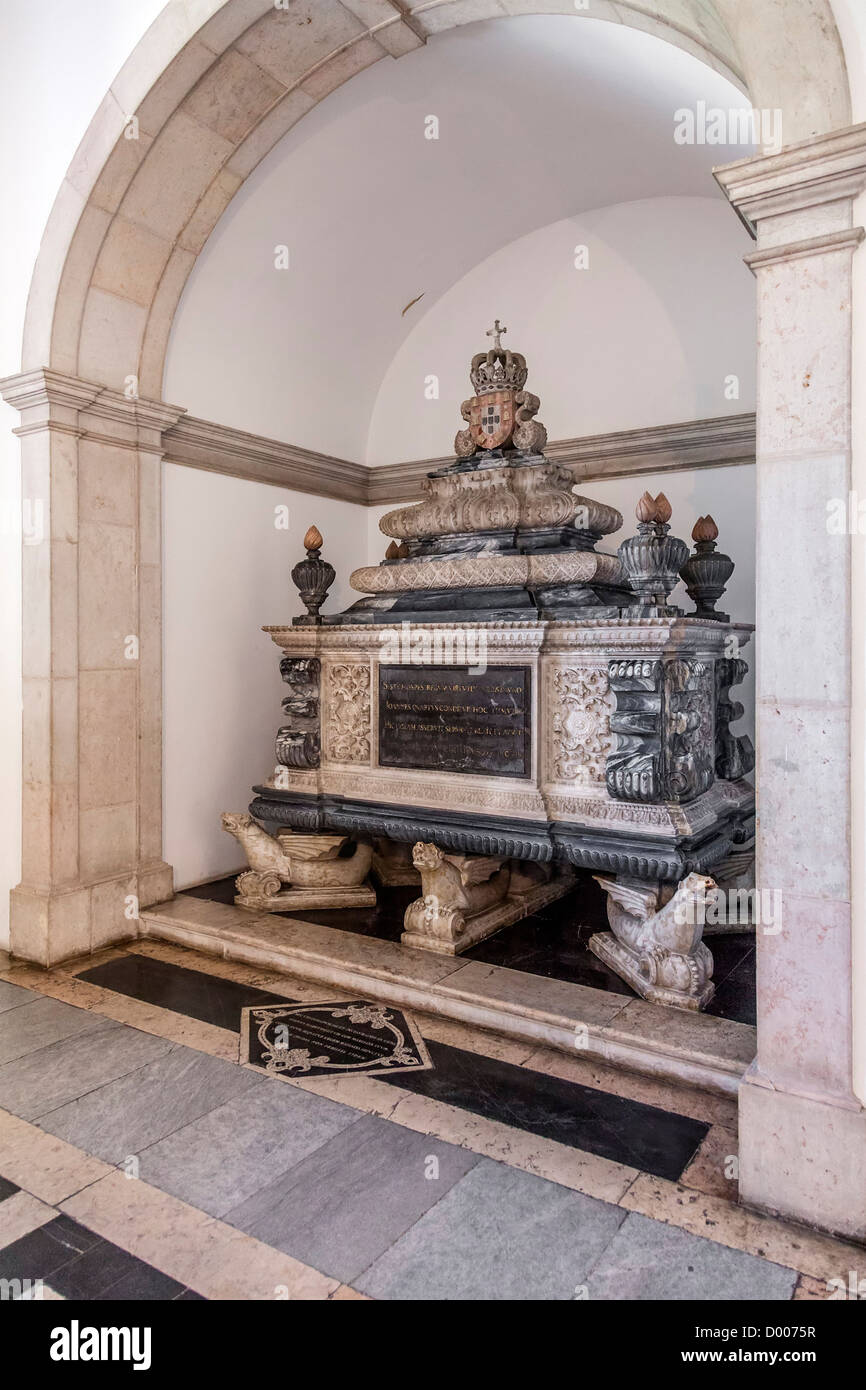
x,y
331,1039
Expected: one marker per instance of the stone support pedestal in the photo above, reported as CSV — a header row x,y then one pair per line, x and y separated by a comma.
x,y
92,665
802,1126
466,898
655,942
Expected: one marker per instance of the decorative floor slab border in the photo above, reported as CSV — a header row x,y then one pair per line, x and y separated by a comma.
x,y
689,1049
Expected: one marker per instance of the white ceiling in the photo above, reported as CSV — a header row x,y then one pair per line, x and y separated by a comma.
x,y
540,118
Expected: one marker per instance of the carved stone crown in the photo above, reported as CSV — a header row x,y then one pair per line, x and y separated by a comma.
x,y
498,369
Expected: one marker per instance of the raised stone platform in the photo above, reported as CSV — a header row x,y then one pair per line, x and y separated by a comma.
x,y
690,1048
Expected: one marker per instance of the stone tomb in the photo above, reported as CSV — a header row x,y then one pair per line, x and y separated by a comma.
x,y
512,704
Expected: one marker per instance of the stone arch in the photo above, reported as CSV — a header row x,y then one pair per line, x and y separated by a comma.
x,y
199,104
212,86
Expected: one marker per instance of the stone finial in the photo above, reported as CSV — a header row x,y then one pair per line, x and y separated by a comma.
x,y
652,559
313,577
706,572
393,551
705,529
653,510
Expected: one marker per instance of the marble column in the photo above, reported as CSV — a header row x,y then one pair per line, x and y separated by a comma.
x,y
802,1126
91,664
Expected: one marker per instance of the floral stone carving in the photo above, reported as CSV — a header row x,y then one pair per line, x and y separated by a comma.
x,y
581,732
347,738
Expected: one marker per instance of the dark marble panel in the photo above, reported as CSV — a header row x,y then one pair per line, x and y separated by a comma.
x,y
43,1252
7,1189
79,1264
222,891
190,992
736,995
626,1131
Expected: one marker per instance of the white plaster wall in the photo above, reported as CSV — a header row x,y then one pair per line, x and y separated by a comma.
x,y
646,335
56,63
227,573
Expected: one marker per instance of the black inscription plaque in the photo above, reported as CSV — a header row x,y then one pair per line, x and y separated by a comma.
x,y
444,719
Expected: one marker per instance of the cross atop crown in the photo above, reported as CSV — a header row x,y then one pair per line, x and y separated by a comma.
x,y
495,333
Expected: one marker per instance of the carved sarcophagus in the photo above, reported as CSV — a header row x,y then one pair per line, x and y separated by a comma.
x,y
505,690
601,743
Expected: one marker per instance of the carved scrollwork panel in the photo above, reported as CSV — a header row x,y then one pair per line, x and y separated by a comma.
x,y
347,732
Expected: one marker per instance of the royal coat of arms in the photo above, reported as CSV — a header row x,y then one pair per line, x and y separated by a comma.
x,y
491,419
499,415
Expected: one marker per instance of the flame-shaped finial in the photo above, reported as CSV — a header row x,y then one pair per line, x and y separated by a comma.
x,y
705,529
654,509
313,540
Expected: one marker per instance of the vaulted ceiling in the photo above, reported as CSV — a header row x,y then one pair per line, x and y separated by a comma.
x,y
539,118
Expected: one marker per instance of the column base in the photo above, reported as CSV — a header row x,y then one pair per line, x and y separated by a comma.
x,y
803,1158
52,925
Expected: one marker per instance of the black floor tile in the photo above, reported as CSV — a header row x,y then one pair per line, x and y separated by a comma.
x,y
222,891
42,1253
141,1281
555,948
626,1131
7,1189
384,921
184,991
736,997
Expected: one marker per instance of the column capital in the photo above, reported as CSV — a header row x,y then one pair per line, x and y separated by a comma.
x,y
826,169
46,398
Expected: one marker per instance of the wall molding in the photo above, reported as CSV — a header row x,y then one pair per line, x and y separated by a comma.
x,y
719,442
222,449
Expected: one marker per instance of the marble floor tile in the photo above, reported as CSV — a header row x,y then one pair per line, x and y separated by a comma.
x,y
574,1168
136,1013
13,996
131,1113
220,1160
21,1214
647,1260
42,1022
714,1167
782,1242
499,1234
48,1168
349,1201
42,1081
175,987
206,1255
624,1131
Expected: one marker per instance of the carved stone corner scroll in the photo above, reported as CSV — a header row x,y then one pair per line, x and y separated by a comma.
x,y
735,754
347,727
664,721
297,742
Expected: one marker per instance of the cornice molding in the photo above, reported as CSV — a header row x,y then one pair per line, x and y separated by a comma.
x,y
822,170
221,449
53,400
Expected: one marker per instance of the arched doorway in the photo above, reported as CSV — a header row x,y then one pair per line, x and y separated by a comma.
x,y
189,117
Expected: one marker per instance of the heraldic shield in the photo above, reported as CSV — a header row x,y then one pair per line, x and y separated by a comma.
x,y
491,419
